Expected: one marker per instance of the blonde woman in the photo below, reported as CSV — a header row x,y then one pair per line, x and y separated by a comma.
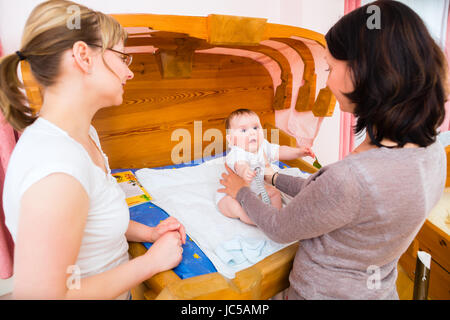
x,y
65,211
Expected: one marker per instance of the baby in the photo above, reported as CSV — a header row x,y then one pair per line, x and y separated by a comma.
x,y
248,156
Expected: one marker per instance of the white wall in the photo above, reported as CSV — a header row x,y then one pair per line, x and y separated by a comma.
x,y
317,15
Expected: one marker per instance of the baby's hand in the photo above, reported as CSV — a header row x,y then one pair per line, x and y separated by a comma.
x,y
306,151
248,175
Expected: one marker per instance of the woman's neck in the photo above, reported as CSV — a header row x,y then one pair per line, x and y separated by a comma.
x,y
69,112
366,145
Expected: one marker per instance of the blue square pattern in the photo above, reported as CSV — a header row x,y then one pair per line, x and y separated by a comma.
x,y
194,261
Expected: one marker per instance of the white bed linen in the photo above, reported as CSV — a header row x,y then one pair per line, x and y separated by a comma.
x,y
188,193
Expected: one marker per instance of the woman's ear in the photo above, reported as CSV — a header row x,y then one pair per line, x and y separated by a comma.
x,y
82,55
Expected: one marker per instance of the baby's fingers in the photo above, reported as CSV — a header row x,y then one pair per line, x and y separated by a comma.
x,y
222,190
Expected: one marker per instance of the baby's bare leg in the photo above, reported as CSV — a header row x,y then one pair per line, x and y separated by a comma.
x,y
229,207
274,195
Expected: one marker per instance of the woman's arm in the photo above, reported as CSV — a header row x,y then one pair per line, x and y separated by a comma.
x,y
285,183
138,232
51,227
329,201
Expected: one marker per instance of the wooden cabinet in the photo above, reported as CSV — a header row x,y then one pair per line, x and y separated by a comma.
x,y
434,241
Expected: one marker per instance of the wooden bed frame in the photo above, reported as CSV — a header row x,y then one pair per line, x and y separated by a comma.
x,y
175,86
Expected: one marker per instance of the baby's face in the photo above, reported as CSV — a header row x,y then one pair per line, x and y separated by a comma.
x,y
246,132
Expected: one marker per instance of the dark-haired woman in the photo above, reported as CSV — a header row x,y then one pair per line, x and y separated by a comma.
x,y
356,217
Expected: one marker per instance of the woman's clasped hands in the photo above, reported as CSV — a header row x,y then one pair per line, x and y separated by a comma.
x,y
167,237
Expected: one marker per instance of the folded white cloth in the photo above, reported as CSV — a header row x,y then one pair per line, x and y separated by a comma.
x,y
240,250
188,194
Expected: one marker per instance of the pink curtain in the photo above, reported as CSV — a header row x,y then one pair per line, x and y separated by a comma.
x,y
346,135
445,126
7,143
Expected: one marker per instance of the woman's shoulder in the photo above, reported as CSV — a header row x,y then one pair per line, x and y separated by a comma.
x,y
396,166
40,152
40,145
397,156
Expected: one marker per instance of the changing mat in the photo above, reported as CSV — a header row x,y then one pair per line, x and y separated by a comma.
x,y
188,194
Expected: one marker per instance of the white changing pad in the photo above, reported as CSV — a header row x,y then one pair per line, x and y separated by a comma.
x,y
188,193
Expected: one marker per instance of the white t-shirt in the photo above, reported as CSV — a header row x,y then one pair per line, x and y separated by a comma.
x,y
44,149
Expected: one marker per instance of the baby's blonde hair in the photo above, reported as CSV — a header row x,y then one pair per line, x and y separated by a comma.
x,y
50,30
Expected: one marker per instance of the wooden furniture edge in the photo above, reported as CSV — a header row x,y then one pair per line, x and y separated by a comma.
x,y
198,26
156,283
260,281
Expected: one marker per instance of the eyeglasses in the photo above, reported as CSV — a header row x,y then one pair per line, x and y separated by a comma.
x,y
126,58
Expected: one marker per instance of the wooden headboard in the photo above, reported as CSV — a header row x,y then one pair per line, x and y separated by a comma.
x,y
139,132
176,104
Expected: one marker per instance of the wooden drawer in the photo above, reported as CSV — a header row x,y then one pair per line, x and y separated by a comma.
x,y
434,241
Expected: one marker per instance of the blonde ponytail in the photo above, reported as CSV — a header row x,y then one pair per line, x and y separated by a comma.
x,y
13,102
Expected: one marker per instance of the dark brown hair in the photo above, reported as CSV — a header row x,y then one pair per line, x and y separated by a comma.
x,y
237,113
47,34
399,73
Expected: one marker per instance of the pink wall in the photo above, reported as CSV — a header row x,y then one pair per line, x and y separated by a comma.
x,y
346,135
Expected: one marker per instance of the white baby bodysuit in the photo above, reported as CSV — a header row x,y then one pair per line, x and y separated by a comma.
x,y
255,160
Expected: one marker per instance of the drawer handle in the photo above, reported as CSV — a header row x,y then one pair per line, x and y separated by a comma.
x,y
443,243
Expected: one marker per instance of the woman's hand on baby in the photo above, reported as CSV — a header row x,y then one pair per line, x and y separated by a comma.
x,y
168,225
232,183
166,252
